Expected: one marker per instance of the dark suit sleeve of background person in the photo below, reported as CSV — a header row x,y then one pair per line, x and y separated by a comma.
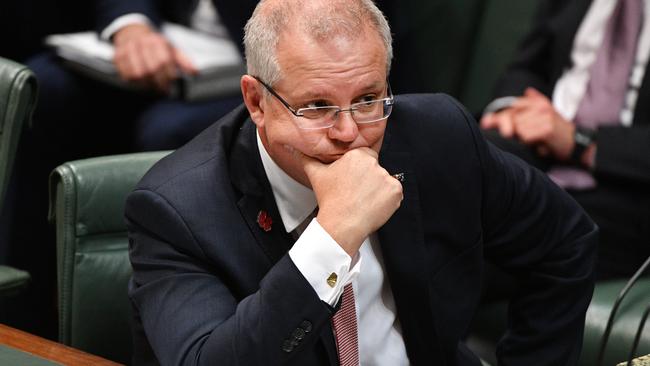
x,y
623,153
536,231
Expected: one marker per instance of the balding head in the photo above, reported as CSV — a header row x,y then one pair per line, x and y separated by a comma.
x,y
321,20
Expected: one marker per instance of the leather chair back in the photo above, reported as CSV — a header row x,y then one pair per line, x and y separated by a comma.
x,y
87,202
491,319
499,31
626,323
18,91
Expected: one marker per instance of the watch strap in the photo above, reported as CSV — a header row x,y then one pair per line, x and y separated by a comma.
x,y
583,138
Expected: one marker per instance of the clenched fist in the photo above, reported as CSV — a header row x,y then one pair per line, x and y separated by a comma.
x,y
355,195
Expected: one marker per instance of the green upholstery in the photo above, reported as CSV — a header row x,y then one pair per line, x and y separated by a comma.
x,y
491,319
502,25
441,33
87,201
460,47
12,280
625,326
18,91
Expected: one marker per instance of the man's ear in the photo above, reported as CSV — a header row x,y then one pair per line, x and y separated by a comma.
x,y
252,92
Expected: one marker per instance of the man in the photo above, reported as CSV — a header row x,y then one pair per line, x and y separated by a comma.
x,y
231,268
582,114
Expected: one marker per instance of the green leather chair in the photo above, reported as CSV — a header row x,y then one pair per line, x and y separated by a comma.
x,y
18,91
490,324
500,28
87,203
460,47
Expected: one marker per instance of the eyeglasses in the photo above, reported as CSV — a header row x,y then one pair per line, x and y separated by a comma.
x,y
314,118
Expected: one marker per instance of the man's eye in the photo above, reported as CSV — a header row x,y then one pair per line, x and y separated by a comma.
x,y
316,104
367,98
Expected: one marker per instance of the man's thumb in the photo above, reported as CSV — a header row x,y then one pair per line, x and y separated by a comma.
x,y
310,165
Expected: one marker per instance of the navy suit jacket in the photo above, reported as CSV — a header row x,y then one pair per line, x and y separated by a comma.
x,y
210,286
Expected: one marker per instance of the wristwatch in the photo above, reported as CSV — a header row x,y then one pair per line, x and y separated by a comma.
x,y
583,137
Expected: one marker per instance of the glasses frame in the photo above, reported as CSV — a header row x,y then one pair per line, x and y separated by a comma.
x,y
389,100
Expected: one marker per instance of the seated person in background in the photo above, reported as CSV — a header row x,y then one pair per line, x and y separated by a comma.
x,y
583,115
144,56
77,117
327,222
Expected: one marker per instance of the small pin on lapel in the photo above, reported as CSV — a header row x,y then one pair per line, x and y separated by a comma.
x,y
264,220
399,176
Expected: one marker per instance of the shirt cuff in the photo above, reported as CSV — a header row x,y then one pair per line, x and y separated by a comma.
x,y
121,22
325,265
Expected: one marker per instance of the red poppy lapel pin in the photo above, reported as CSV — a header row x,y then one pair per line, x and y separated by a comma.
x,y
264,220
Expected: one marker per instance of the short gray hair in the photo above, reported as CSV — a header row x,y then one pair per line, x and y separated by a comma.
x,y
327,18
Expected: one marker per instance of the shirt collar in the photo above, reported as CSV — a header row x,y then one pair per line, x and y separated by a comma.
x,y
295,201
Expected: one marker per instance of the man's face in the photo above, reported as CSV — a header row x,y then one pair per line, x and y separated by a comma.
x,y
338,71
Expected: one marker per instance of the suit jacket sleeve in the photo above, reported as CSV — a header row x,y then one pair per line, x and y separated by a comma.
x,y
189,309
535,230
109,10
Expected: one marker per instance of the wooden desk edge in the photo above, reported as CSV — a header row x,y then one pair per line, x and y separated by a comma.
x,y
47,349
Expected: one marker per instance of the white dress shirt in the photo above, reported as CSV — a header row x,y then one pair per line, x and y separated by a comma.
x,y
317,256
570,88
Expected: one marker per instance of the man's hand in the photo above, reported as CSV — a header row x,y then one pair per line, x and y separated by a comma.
x,y
533,120
355,195
501,120
144,56
538,123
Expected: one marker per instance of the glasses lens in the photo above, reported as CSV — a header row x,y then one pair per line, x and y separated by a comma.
x,y
317,117
372,111
325,117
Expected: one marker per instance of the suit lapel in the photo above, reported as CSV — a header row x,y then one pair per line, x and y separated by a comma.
x,y
565,27
642,109
256,203
249,178
406,264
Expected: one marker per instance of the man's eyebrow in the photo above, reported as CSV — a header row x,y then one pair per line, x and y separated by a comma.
x,y
311,94
320,94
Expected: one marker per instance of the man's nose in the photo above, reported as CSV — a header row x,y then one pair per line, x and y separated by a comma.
x,y
345,128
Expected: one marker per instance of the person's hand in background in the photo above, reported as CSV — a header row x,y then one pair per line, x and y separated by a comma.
x,y
533,120
144,56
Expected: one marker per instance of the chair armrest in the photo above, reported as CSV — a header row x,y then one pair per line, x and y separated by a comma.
x,y
12,280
